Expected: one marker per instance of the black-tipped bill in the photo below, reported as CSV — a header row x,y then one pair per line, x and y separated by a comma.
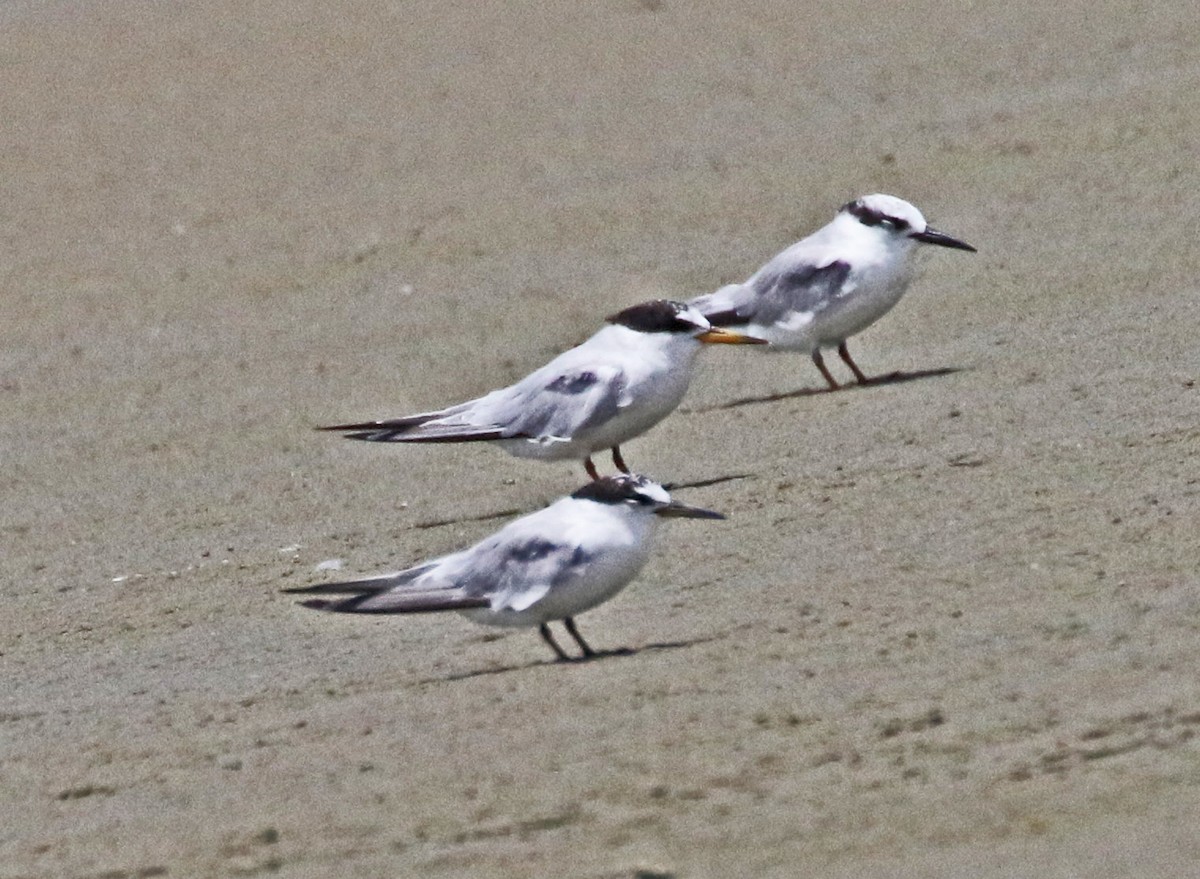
x,y
933,236
676,510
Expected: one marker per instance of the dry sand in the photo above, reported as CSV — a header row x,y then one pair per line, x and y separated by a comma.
x,y
952,627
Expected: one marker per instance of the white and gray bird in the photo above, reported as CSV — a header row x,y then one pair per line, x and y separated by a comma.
x,y
550,565
615,386
832,284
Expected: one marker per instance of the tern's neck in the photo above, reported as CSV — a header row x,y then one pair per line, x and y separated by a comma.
x,y
676,346
634,522
866,245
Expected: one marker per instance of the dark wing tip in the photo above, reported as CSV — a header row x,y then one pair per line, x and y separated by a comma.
x,y
367,586
404,422
325,589
363,425
726,318
372,436
419,604
341,605
414,430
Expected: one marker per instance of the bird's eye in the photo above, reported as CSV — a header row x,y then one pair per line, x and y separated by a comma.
x,y
869,217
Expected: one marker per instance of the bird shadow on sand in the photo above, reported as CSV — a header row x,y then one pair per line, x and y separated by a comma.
x,y
598,656
704,483
506,514
482,517
891,378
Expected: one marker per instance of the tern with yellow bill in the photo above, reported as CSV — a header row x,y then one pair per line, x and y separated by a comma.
x,y
615,386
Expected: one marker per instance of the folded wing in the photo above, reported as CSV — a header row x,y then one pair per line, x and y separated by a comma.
x,y
415,590
508,571
561,403
775,292
551,404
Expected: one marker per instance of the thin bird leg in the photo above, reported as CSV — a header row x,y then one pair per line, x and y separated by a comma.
x,y
618,460
544,631
590,467
858,373
588,652
820,362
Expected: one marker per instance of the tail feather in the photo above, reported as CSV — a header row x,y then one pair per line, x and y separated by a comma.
x,y
432,433
352,587
387,430
416,429
367,585
402,592
421,602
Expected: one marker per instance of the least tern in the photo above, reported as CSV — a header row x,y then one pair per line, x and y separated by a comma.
x,y
832,284
550,565
617,385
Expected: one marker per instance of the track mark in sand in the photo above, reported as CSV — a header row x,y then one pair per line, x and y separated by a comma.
x,y
18,716
1160,730
898,725
85,791
136,873
521,829
249,853
1162,438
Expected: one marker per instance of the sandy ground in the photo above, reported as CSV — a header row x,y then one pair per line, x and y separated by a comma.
x,y
952,626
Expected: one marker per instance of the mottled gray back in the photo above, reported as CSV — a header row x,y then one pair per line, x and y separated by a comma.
x,y
801,289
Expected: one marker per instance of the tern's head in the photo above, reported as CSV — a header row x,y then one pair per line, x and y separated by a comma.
x,y
899,221
676,319
637,493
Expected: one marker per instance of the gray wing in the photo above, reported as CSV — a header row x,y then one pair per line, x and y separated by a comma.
x,y
726,306
515,573
772,294
561,403
408,591
497,573
552,402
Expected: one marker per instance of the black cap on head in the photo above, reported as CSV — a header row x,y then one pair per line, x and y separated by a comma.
x,y
614,490
658,316
640,492
869,216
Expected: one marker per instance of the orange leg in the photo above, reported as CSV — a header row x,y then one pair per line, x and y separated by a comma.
x,y
820,362
858,373
588,652
544,630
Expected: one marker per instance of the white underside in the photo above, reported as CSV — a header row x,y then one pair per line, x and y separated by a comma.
x,y
621,544
863,303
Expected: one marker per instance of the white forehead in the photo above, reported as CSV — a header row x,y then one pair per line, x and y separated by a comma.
x,y
890,206
694,316
653,491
